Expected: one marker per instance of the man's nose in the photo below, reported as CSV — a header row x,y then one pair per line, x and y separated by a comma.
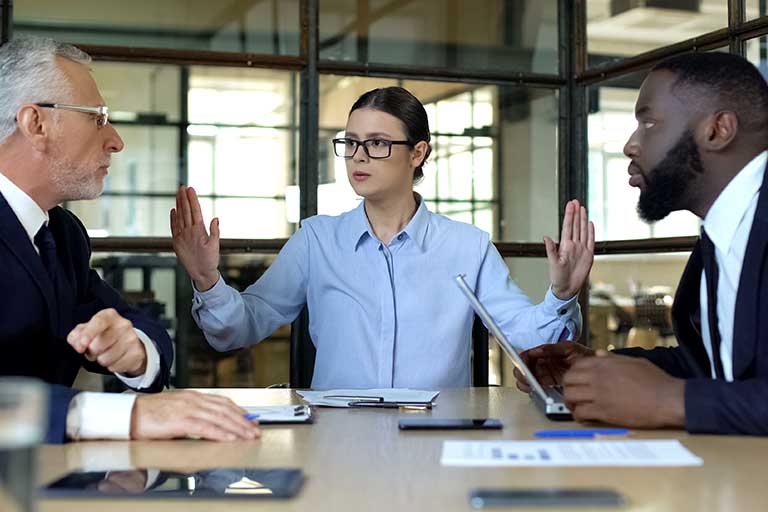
x,y
114,142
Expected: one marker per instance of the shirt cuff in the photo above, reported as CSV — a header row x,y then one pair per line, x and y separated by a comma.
x,y
216,295
559,306
100,416
567,311
153,365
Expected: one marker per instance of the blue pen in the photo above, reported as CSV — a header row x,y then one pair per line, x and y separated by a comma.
x,y
250,416
583,433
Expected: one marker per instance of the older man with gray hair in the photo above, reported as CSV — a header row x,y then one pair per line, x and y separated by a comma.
x,y
56,145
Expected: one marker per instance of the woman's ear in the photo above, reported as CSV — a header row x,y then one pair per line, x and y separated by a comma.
x,y
420,153
719,130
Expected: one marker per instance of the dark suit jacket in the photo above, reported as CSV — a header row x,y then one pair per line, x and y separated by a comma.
x,y
34,323
716,406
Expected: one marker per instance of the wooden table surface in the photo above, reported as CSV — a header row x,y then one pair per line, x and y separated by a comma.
x,y
358,460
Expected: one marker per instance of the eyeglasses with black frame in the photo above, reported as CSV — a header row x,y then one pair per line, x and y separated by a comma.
x,y
376,149
101,113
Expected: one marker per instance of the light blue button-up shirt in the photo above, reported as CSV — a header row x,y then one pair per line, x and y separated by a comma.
x,y
384,315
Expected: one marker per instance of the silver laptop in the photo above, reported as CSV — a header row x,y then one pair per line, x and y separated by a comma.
x,y
548,400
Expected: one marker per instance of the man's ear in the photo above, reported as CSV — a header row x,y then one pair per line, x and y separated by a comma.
x,y
719,130
34,126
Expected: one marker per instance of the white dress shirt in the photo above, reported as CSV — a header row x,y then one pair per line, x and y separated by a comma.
x,y
728,224
91,415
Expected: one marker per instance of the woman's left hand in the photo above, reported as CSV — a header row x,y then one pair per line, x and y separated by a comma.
x,y
571,261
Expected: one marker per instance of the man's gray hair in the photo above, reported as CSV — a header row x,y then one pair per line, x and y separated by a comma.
x,y
28,74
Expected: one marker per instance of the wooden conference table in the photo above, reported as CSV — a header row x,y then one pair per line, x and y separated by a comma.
x,y
358,460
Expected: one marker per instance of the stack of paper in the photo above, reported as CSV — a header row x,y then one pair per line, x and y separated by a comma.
x,y
567,453
345,397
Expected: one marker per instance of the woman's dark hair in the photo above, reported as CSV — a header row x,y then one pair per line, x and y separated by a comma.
x,y
400,103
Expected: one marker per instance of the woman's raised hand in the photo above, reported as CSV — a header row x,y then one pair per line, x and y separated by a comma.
x,y
571,261
197,250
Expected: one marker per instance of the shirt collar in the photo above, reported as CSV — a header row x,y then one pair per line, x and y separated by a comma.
x,y
29,213
416,229
727,212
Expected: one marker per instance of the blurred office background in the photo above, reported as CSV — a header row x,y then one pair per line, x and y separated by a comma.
x,y
530,103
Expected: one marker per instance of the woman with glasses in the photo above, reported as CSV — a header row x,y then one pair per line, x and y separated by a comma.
x,y
384,310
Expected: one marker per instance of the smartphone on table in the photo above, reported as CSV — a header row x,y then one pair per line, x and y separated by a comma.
x,y
449,424
545,497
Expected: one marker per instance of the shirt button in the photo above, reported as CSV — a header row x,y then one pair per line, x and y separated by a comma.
x,y
400,236
562,312
381,248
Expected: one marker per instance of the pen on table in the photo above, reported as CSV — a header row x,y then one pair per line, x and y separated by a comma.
x,y
582,433
251,416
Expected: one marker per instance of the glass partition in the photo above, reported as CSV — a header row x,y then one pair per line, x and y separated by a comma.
x,y
455,34
622,28
268,27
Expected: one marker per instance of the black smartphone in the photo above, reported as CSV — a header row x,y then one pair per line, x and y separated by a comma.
x,y
225,483
552,497
449,424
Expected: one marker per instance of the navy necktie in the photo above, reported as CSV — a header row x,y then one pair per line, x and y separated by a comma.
x,y
709,262
47,246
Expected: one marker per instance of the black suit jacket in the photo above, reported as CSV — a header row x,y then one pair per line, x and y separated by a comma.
x,y
34,323
716,406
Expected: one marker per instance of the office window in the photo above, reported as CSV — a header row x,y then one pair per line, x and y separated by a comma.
x,y
269,27
612,201
241,139
484,34
242,142
623,28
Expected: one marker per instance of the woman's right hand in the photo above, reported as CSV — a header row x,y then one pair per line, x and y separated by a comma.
x,y
196,249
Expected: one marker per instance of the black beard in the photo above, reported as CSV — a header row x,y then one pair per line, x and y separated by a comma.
x,y
668,185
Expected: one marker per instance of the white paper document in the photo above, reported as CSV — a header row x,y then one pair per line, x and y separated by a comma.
x,y
368,397
567,453
280,413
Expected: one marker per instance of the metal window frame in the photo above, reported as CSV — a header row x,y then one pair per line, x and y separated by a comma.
x,y
6,20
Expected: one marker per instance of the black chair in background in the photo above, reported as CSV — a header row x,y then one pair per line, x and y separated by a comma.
x,y
303,353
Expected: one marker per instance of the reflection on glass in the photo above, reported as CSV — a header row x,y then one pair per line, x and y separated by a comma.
x,y
630,299
240,156
617,29
205,483
148,164
463,34
757,53
153,95
756,9
253,27
130,215
612,201
242,141
474,129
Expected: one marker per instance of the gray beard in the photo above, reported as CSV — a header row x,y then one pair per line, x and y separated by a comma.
x,y
74,184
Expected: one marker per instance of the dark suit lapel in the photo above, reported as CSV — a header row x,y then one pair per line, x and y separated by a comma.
x,y
686,315
15,238
746,316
